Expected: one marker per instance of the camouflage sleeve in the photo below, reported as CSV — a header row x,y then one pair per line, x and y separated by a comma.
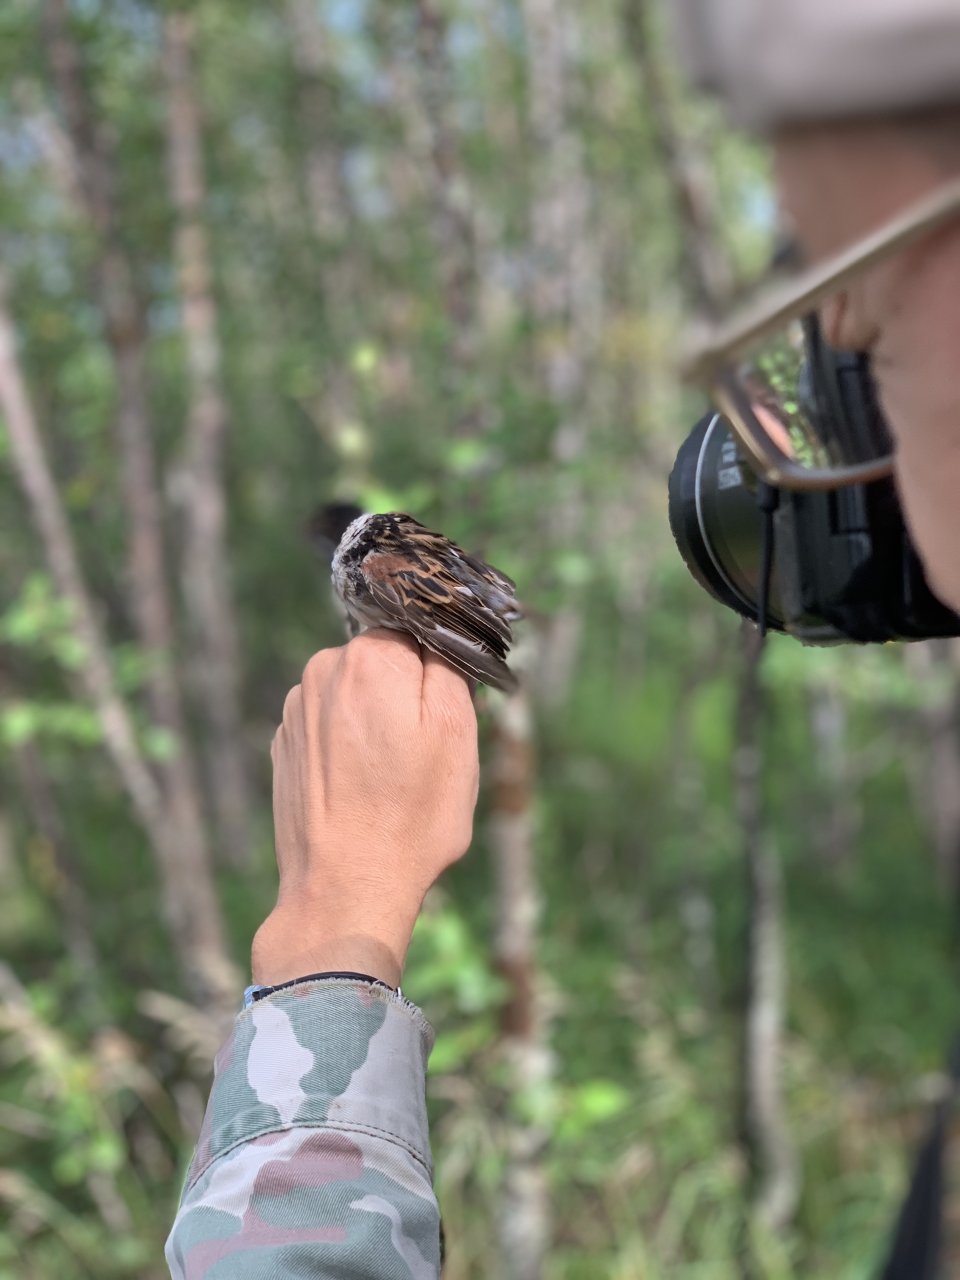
x,y
314,1157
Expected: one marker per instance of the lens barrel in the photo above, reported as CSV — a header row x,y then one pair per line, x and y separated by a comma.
x,y
716,522
844,568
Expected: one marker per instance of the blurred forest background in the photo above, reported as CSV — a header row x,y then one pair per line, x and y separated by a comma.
x,y
693,983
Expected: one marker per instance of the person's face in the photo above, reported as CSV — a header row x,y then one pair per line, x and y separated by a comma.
x,y
916,363
837,184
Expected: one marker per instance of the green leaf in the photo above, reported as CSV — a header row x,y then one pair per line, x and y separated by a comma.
x,y
70,651
364,358
465,457
594,1103
573,568
414,499
600,1100
69,1168
106,1153
18,722
159,744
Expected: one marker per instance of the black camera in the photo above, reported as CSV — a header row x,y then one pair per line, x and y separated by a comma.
x,y
841,567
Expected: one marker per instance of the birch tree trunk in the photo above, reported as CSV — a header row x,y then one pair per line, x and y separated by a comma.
x,y
328,197
204,568
566,295
405,167
453,227
191,907
567,290
766,1136
523,1221
839,814
337,412
936,665
770,1150
125,326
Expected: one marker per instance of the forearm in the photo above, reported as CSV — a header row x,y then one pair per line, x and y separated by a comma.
x,y
314,1153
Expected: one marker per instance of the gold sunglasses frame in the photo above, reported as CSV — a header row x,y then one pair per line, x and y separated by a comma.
x,y
710,348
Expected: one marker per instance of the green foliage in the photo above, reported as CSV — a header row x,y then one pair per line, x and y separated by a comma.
x,y
70,721
39,621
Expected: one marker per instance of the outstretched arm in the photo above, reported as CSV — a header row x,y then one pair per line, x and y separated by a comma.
x,y
314,1154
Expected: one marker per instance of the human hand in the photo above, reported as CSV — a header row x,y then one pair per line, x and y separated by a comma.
x,y
375,783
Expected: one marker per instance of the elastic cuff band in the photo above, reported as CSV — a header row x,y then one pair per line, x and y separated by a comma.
x,y
256,992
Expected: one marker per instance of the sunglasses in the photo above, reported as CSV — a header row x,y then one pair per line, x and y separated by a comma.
x,y
752,364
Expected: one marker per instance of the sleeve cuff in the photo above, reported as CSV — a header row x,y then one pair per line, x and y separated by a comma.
x,y
330,1052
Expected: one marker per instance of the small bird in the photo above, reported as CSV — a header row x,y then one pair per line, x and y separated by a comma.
x,y
390,571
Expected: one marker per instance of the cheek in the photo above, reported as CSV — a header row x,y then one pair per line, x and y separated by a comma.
x,y
918,375
924,415
929,487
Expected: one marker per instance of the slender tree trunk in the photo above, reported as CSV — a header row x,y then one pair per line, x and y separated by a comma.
x,y
191,907
406,167
839,811
125,327
567,291
338,411
205,573
566,295
935,782
705,266
767,1138
328,197
454,232
524,1217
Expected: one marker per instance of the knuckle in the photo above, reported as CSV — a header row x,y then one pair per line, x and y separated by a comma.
x,y
377,650
318,666
357,651
290,704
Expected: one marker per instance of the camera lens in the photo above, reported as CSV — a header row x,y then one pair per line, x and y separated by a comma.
x,y
716,522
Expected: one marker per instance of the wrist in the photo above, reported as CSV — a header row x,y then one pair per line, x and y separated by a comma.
x,y
288,945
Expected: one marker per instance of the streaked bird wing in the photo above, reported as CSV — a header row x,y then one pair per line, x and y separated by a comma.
x,y
458,607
